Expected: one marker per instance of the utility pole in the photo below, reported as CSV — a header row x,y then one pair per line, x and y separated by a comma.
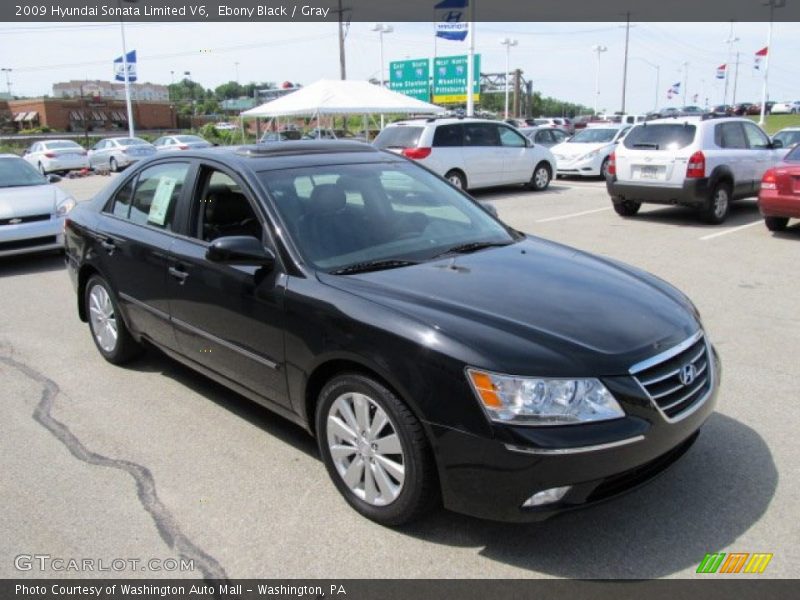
x,y
342,64
625,64
773,4
471,60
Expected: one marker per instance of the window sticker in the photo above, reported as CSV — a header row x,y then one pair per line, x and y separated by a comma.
x,y
161,200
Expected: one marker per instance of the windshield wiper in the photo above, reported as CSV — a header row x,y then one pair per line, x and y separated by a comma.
x,y
373,265
472,247
653,146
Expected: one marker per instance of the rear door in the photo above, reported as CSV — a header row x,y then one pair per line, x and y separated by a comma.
x,y
762,155
227,318
731,137
133,241
483,155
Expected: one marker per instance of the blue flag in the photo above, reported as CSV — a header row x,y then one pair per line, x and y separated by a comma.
x,y
451,19
119,67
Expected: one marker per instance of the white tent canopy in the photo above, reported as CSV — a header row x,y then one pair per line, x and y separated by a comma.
x,y
334,97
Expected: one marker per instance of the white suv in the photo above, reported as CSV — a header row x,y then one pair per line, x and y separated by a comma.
x,y
471,153
699,162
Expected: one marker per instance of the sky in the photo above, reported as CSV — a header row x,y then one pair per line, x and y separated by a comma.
x,y
557,57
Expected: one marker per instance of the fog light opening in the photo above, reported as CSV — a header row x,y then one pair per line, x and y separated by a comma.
x,y
546,497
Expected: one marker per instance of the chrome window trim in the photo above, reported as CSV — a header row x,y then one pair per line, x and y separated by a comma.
x,y
578,450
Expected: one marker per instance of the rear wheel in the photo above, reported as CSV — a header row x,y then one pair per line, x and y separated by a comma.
x,y
776,223
457,179
719,204
109,332
112,164
627,208
375,450
604,168
542,175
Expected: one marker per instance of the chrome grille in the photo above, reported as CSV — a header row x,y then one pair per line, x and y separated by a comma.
x,y
19,220
664,377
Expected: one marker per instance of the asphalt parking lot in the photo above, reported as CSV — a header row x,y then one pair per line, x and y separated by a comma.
x,y
153,461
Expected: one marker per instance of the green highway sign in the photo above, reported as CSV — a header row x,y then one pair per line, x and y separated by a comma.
x,y
411,77
450,79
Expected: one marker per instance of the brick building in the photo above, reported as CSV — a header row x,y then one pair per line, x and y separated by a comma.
x,y
96,114
77,88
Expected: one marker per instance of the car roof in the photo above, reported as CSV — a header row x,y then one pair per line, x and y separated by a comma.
x,y
445,121
791,128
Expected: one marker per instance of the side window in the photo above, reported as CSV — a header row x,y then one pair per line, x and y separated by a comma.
x,y
448,136
730,135
224,209
755,137
558,136
156,197
510,138
481,134
543,137
120,205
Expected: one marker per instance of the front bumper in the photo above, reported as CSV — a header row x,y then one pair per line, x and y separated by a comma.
x,y
590,167
693,192
37,236
491,478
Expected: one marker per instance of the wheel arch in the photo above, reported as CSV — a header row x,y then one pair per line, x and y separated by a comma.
x,y
721,174
461,172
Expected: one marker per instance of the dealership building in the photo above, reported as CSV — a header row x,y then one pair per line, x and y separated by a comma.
x,y
89,114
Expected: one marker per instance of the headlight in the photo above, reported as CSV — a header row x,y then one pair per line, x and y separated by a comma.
x,y
535,401
66,205
591,154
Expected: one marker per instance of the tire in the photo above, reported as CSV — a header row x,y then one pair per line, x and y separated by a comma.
x,y
457,178
627,208
113,166
399,484
719,204
604,167
776,223
541,178
110,335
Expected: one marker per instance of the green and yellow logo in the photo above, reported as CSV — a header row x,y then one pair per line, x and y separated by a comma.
x,y
735,562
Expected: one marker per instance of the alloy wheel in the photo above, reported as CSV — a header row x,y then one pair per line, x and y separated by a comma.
x,y
103,318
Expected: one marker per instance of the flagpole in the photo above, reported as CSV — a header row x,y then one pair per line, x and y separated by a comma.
x,y
471,60
127,81
763,117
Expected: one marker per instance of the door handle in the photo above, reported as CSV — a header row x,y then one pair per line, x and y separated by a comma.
x,y
178,274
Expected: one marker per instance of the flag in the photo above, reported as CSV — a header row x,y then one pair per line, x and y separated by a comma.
x,y
760,55
674,90
119,67
451,19
721,71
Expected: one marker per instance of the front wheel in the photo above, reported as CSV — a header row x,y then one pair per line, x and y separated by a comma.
x,y
542,175
109,332
112,164
375,450
604,167
627,208
42,170
719,205
776,223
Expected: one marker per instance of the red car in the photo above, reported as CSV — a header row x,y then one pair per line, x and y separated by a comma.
x,y
779,198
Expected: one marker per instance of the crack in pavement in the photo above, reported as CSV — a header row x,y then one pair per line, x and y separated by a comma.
x,y
166,524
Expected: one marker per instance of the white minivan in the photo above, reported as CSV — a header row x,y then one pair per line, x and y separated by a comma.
x,y
471,153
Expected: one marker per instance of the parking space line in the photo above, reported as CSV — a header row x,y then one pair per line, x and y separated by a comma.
x,y
579,214
730,230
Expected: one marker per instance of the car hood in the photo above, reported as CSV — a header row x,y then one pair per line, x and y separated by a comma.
x,y
536,307
29,200
576,149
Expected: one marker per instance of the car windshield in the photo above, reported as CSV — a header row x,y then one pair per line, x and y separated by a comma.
x,y
60,145
132,142
401,136
15,172
789,138
189,138
345,216
594,136
660,137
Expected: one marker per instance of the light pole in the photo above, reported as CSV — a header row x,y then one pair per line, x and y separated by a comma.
x,y
773,4
382,28
508,43
599,49
732,39
8,81
128,105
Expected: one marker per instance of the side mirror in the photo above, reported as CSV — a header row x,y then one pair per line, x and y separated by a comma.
x,y
240,250
490,208
777,144
53,178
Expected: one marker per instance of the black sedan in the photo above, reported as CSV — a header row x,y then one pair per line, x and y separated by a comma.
x,y
435,353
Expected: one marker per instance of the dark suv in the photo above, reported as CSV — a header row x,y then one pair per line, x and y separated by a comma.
x,y
433,351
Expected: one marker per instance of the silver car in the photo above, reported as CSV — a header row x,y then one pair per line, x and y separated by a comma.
x,y
32,210
170,143
117,153
53,156
545,136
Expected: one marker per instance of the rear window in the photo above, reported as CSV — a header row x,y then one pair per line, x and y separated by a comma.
x,y
398,137
793,156
660,137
